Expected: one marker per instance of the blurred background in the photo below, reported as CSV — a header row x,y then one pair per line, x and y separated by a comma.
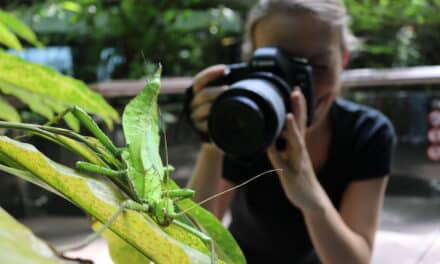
x,y
112,45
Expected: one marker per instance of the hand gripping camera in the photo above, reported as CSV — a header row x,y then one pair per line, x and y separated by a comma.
x,y
249,116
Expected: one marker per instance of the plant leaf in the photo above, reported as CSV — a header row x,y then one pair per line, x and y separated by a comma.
x,y
35,102
8,112
27,176
19,28
120,251
8,38
101,199
19,245
45,82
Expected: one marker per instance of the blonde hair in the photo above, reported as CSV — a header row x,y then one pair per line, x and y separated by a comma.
x,y
331,11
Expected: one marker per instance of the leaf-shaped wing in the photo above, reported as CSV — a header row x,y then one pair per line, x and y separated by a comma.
x,y
141,130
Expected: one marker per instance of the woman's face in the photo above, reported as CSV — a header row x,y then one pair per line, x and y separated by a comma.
x,y
308,37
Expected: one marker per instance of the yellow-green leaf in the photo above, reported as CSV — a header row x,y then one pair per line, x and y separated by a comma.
x,y
19,28
8,112
71,6
120,251
8,39
19,245
27,176
44,82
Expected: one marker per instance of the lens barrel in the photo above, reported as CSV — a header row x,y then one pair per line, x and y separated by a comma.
x,y
247,118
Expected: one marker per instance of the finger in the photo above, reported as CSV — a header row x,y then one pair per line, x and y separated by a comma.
x,y
275,157
207,75
201,112
292,134
299,109
202,126
207,95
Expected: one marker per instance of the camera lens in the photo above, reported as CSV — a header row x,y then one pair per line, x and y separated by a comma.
x,y
237,125
247,118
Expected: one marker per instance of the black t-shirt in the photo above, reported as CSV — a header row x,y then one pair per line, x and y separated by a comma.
x,y
270,229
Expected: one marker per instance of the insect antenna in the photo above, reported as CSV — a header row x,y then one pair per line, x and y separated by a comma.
x,y
228,190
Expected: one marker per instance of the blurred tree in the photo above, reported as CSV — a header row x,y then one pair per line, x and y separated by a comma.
x,y
183,35
108,37
396,33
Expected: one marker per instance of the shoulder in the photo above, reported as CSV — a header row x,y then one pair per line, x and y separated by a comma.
x,y
367,137
361,123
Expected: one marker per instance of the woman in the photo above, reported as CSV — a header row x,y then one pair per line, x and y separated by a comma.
x,y
323,206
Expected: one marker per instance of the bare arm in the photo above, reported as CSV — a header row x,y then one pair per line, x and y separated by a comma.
x,y
338,237
207,180
347,237
207,174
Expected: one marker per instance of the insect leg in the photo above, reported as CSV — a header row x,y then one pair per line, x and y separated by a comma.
x,y
87,166
98,233
118,177
179,194
205,238
91,125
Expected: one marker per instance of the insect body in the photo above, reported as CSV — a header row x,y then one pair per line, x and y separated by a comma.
x,y
142,175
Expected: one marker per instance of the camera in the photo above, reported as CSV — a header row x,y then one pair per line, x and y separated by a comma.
x,y
249,116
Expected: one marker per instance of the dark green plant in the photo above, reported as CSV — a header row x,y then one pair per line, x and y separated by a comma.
x,y
396,33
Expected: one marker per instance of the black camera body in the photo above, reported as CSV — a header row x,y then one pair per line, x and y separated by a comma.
x,y
249,116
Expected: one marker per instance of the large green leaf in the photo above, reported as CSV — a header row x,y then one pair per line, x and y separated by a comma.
x,y
19,245
101,199
8,112
19,28
43,84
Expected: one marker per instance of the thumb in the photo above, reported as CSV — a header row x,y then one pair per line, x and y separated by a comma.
x,y
299,109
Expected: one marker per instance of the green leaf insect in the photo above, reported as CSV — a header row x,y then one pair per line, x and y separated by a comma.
x,y
136,169
144,173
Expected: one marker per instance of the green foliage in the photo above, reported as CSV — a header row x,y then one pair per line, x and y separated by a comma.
x,y
44,90
8,38
189,35
16,26
8,112
396,33
178,34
